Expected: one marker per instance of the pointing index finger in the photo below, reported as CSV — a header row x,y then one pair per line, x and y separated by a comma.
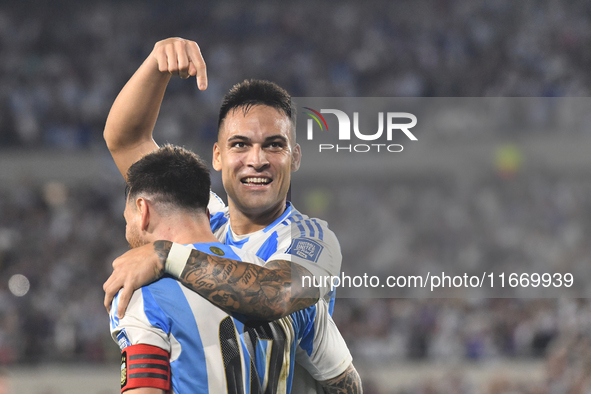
x,y
198,62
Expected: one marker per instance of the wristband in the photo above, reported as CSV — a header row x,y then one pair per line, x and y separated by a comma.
x,y
177,259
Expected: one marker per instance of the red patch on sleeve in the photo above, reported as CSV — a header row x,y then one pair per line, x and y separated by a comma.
x,y
145,366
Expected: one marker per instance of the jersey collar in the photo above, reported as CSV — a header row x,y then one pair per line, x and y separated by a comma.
x,y
288,211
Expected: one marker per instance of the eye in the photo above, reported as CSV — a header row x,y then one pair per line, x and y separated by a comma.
x,y
276,145
237,144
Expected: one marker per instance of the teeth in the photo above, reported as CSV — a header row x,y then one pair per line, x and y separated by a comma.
x,y
262,181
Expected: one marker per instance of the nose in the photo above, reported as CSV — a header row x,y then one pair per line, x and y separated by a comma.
x,y
257,158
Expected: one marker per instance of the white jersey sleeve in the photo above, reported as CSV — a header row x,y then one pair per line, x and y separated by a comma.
x,y
323,351
312,245
135,328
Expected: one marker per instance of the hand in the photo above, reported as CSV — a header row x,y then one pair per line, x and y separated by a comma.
x,y
181,57
132,270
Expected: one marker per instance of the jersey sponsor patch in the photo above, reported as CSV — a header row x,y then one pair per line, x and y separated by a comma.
x,y
305,248
122,339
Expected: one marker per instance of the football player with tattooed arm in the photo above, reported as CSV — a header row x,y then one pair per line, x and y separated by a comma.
x,y
174,340
256,152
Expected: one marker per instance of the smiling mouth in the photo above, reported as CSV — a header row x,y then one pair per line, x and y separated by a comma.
x,y
256,181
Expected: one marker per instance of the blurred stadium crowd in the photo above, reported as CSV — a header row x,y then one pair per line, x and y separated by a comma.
x,y
530,220
62,70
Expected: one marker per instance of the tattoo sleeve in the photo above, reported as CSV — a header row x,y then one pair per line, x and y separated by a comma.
x,y
261,293
348,382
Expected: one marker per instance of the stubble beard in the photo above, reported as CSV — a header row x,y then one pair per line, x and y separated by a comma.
x,y
134,239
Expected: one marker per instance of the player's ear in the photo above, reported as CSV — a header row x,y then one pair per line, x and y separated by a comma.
x,y
144,208
216,160
296,157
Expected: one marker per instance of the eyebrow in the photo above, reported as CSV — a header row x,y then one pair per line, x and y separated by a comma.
x,y
238,137
268,139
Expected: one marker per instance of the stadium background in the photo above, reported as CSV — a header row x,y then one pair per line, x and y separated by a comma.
x,y
519,197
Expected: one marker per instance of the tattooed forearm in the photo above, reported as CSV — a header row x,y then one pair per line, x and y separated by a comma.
x,y
262,293
348,382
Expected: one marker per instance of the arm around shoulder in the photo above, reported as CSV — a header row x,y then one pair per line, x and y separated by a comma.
x,y
263,293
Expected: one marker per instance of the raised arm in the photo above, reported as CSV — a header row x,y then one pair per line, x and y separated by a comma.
x,y
129,126
263,293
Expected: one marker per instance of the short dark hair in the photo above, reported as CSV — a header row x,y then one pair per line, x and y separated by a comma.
x,y
172,175
251,92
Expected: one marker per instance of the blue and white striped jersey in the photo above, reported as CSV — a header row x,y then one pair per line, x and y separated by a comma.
x,y
211,351
293,237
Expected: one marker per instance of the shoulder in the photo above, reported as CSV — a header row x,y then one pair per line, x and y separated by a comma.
x,y
301,225
216,204
227,251
309,243
247,255
218,212
299,231
153,299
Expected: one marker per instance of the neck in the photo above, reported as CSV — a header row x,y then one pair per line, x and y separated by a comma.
x,y
185,230
249,222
